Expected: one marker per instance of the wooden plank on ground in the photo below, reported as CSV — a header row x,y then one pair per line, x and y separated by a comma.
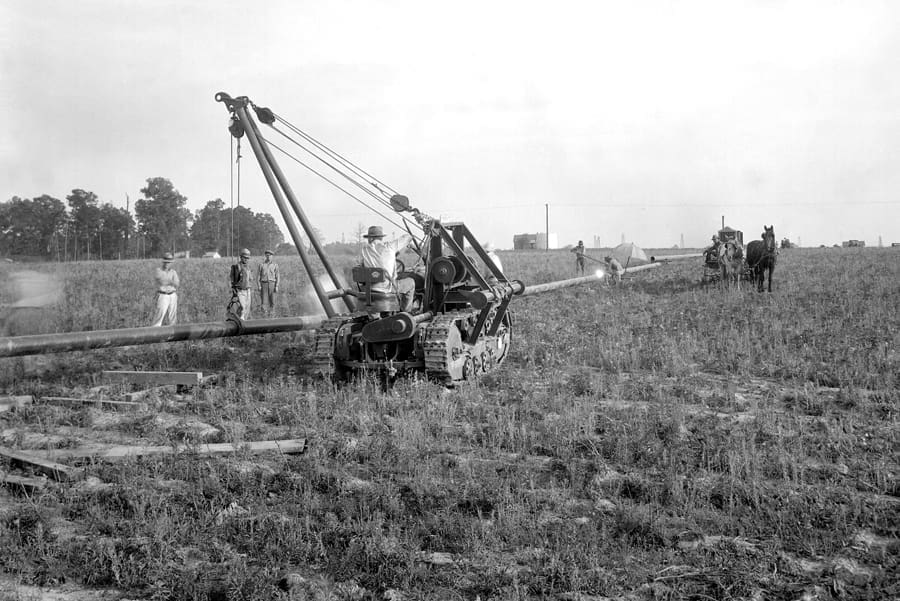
x,y
139,395
185,378
38,461
102,403
14,402
29,484
118,452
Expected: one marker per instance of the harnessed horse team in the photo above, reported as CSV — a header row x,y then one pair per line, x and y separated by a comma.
x,y
761,255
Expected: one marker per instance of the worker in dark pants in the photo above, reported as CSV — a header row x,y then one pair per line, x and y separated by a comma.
x,y
241,280
268,284
579,257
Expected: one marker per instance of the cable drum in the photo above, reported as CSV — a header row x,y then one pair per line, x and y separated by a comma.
x,y
443,270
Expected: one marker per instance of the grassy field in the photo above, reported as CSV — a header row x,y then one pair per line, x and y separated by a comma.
x,y
658,440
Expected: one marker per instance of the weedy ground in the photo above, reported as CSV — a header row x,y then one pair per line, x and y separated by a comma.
x,y
657,440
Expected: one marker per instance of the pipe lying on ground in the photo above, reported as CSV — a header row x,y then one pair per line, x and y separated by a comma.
x,y
39,344
641,268
667,258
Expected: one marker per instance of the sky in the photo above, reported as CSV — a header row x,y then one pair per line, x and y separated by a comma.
x,y
645,120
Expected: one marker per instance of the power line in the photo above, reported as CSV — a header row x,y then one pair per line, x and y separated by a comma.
x,y
540,205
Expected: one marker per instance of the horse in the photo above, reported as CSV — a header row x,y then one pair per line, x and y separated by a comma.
x,y
761,255
731,262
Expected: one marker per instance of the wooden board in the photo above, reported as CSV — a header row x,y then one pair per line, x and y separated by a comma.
x,y
40,462
185,378
103,403
14,402
29,484
118,452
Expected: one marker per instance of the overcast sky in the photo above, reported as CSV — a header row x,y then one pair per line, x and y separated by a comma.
x,y
644,119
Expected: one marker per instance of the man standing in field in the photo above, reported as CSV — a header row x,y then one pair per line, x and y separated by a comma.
x,y
378,253
166,293
241,280
268,283
579,257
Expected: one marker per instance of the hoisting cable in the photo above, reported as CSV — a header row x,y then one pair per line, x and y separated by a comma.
x,y
237,161
406,220
231,198
354,178
375,182
343,174
356,173
336,185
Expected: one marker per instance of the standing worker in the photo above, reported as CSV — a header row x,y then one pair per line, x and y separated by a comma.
x,y
241,280
579,257
166,293
378,253
268,284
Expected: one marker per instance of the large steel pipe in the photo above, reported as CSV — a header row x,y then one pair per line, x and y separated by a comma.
x,y
549,286
641,268
482,298
666,258
17,346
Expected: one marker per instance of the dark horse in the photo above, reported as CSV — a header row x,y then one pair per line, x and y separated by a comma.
x,y
761,255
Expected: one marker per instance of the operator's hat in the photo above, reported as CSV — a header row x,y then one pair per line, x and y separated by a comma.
x,y
375,231
269,252
488,246
168,257
245,252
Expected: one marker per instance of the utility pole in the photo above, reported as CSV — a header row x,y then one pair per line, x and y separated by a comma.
x,y
547,226
127,210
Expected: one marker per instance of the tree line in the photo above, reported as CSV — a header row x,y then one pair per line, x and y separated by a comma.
x,y
83,228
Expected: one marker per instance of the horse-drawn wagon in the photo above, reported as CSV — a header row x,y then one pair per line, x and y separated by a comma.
x,y
725,257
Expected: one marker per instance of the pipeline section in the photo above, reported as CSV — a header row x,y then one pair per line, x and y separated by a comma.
x,y
39,344
667,258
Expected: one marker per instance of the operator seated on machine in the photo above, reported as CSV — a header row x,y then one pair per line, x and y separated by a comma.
x,y
383,254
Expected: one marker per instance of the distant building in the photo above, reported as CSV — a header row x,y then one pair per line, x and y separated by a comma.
x,y
212,255
534,241
853,243
183,254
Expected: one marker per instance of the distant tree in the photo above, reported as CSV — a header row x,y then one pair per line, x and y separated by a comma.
x,y
285,249
162,216
31,227
84,223
117,225
211,228
271,235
